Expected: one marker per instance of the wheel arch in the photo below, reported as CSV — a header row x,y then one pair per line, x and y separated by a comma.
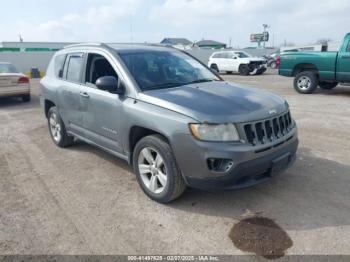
x,y
136,133
47,105
304,67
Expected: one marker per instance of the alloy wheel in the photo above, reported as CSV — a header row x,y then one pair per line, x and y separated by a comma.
x,y
152,170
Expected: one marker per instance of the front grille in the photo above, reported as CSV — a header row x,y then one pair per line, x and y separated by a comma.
x,y
266,131
257,63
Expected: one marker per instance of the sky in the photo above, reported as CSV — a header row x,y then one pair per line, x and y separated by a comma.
x,y
294,21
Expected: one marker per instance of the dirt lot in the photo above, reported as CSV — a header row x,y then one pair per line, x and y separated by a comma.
x,y
83,201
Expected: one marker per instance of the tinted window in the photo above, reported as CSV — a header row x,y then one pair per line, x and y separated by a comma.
x,y
8,68
75,64
98,66
348,49
242,55
165,69
218,55
59,62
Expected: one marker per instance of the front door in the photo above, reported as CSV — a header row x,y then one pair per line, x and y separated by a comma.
x,y
343,69
101,109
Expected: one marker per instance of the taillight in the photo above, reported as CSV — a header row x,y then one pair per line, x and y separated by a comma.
x,y
23,80
278,61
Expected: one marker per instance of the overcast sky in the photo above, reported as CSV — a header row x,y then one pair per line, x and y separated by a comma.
x,y
297,21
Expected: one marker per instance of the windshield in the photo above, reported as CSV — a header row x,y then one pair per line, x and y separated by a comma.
x,y
165,69
242,54
7,68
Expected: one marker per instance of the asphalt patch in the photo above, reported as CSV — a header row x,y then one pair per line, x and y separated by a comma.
x,y
261,236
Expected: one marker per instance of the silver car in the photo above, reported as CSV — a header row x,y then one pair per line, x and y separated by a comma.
x,y
13,83
174,120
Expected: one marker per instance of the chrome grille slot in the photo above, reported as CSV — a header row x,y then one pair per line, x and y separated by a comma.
x,y
263,132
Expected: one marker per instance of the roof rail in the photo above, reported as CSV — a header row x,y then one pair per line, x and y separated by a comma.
x,y
85,44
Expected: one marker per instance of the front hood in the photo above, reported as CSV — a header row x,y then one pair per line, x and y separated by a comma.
x,y
217,102
252,59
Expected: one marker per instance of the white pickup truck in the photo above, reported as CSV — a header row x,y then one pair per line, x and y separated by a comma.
x,y
237,61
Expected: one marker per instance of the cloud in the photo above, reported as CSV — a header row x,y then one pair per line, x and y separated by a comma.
x,y
97,23
297,20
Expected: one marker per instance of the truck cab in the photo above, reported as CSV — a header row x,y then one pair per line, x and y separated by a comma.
x,y
313,69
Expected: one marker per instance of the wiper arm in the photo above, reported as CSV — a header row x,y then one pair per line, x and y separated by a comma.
x,y
165,85
201,81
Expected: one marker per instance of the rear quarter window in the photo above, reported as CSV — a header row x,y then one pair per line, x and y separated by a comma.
x,y
58,65
74,67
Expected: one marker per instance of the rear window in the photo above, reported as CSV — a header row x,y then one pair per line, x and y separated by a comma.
x,y
58,65
74,67
7,68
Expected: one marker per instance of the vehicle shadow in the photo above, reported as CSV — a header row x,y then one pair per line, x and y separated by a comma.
x,y
314,193
15,102
341,90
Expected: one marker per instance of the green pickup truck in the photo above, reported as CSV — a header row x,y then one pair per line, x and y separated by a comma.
x,y
312,69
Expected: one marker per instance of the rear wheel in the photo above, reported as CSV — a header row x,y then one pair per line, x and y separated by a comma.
x,y
57,129
328,85
306,82
156,169
26,98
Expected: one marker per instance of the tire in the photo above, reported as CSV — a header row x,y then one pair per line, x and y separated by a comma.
x,y
26,98
273,65
166,188
261,71
215,68
306,82
328,85
243,70
57,129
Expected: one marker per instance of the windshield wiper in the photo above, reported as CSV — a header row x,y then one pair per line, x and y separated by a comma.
x,y
201,81
165,85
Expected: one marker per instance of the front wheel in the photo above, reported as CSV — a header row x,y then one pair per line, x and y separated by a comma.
x,y
273,65
215,68
156,169
306,82
244,70
328,85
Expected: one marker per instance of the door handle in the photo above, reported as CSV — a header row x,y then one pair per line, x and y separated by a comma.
x,y
84,94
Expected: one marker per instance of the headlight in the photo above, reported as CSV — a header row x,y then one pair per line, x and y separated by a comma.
x,y
214,132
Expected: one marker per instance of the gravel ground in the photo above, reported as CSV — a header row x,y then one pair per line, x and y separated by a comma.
x,y
83,201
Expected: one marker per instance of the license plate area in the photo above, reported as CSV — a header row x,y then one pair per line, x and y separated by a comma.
x,y
279,164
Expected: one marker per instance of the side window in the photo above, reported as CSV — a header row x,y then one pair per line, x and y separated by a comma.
x,y
229,55
218,55
348,48
98,66
74,67
58,65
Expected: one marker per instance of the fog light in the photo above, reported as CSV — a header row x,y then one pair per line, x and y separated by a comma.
x,y
219,164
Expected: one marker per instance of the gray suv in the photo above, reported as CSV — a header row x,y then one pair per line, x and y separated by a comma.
x,y
173,119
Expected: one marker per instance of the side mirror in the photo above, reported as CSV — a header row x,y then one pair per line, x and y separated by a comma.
x,y
110,84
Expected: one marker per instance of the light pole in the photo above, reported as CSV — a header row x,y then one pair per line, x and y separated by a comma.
x,y
266,26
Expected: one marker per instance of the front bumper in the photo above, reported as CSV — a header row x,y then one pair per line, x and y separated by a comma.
x,y
250,168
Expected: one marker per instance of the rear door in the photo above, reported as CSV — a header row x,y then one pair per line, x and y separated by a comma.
x,y
343,68
70,93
